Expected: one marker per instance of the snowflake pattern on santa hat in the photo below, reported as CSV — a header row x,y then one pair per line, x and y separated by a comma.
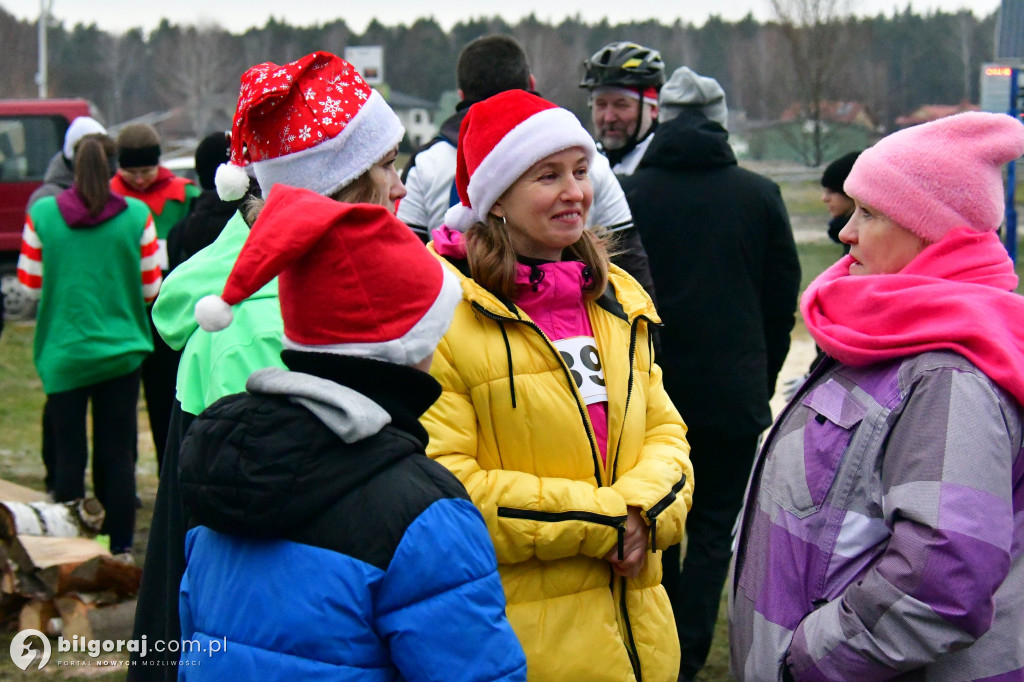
x,y
332,92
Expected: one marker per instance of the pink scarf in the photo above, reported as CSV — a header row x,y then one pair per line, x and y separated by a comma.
x,y
957,294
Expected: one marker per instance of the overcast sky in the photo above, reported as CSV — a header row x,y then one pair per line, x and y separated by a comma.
x,y
120,15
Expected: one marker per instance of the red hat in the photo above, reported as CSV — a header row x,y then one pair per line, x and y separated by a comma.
x,y
353,279
499,140
312,123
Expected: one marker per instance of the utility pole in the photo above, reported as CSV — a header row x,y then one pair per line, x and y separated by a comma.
x,y
44,24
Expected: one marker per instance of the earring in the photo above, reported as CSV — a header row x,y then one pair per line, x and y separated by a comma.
x,y
503,221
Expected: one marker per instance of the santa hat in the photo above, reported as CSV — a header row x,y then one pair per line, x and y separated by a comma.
x,y
352,279
312,123
499,140
939,175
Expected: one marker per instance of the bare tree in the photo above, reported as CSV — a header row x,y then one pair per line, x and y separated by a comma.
x,y
814,32
198,71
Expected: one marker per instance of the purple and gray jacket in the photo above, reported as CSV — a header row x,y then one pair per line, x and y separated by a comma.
x,y
883,532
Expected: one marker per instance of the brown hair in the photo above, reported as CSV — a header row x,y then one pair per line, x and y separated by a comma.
x,y
92,170
362,190
137,136
492,259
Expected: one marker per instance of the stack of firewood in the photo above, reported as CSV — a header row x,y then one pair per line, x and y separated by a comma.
x,y
54,577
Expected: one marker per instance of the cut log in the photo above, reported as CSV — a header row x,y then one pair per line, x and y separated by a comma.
x,y
19,493
36,615
43,552
99,574
55,519
91,621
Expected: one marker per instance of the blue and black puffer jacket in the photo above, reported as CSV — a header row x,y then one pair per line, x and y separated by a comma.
x,y
325,545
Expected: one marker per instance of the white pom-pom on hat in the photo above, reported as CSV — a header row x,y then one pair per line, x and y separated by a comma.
x,y
460,218
232,182
213,313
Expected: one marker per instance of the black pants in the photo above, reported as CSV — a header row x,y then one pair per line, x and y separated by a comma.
x,y
49,458
721,466
114,432
156,614
159,377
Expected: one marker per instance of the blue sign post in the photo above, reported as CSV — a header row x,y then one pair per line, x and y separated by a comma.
x,y
1011,173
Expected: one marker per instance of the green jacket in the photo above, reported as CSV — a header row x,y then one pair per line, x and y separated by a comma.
x,y
91,325
217,364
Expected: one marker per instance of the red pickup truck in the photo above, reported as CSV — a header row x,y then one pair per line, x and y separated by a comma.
x,y
31,132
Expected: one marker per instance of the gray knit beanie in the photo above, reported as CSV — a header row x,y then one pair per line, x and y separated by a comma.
x,y
688,89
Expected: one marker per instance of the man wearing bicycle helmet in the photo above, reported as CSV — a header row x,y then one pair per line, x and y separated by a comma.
x,y
624,79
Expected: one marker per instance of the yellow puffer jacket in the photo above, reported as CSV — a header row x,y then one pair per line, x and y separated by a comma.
x,y
513,428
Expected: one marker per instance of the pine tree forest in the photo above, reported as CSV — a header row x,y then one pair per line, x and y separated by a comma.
x,y
891,64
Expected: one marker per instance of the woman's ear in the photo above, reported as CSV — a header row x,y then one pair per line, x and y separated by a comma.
x,y
497,210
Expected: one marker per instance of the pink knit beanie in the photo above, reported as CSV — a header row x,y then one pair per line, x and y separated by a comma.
x,y
939,175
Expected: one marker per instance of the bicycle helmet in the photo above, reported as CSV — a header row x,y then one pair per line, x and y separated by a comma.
x,y
624,64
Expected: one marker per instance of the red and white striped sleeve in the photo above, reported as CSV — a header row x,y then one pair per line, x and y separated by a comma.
x,y
30,262
151,275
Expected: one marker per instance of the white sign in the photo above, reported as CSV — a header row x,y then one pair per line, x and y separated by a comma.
x,y
369,62
580,355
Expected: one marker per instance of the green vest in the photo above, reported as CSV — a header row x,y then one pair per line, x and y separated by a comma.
x,y
91,324
174,211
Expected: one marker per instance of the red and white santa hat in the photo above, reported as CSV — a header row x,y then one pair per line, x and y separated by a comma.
x,y
352,279
312,123
499,140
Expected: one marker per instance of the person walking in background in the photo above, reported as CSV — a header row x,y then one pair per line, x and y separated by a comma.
x,y
840,206
208,213
169,198
624,79
59,176
881,534
60,173
726,269
488,66
338,157
90,256
553,413
311,496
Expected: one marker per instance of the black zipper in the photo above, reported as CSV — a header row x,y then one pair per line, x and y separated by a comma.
x,y
660,506
565,371
633,327
634,656
616,522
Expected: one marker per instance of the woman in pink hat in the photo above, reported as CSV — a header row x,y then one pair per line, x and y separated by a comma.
x,y
553,413
882,532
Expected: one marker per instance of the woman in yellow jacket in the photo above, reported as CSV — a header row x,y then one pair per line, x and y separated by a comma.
x,y
553,413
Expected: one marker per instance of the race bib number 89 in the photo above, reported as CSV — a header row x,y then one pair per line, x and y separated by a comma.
x,y
580,354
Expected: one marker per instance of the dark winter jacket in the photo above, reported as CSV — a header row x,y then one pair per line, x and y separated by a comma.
x,y
326,544
206,218
58,177
726,271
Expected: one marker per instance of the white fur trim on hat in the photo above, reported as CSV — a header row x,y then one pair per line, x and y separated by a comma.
x,y
213,313
417,343
79,128
336,162
546,132
232,182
